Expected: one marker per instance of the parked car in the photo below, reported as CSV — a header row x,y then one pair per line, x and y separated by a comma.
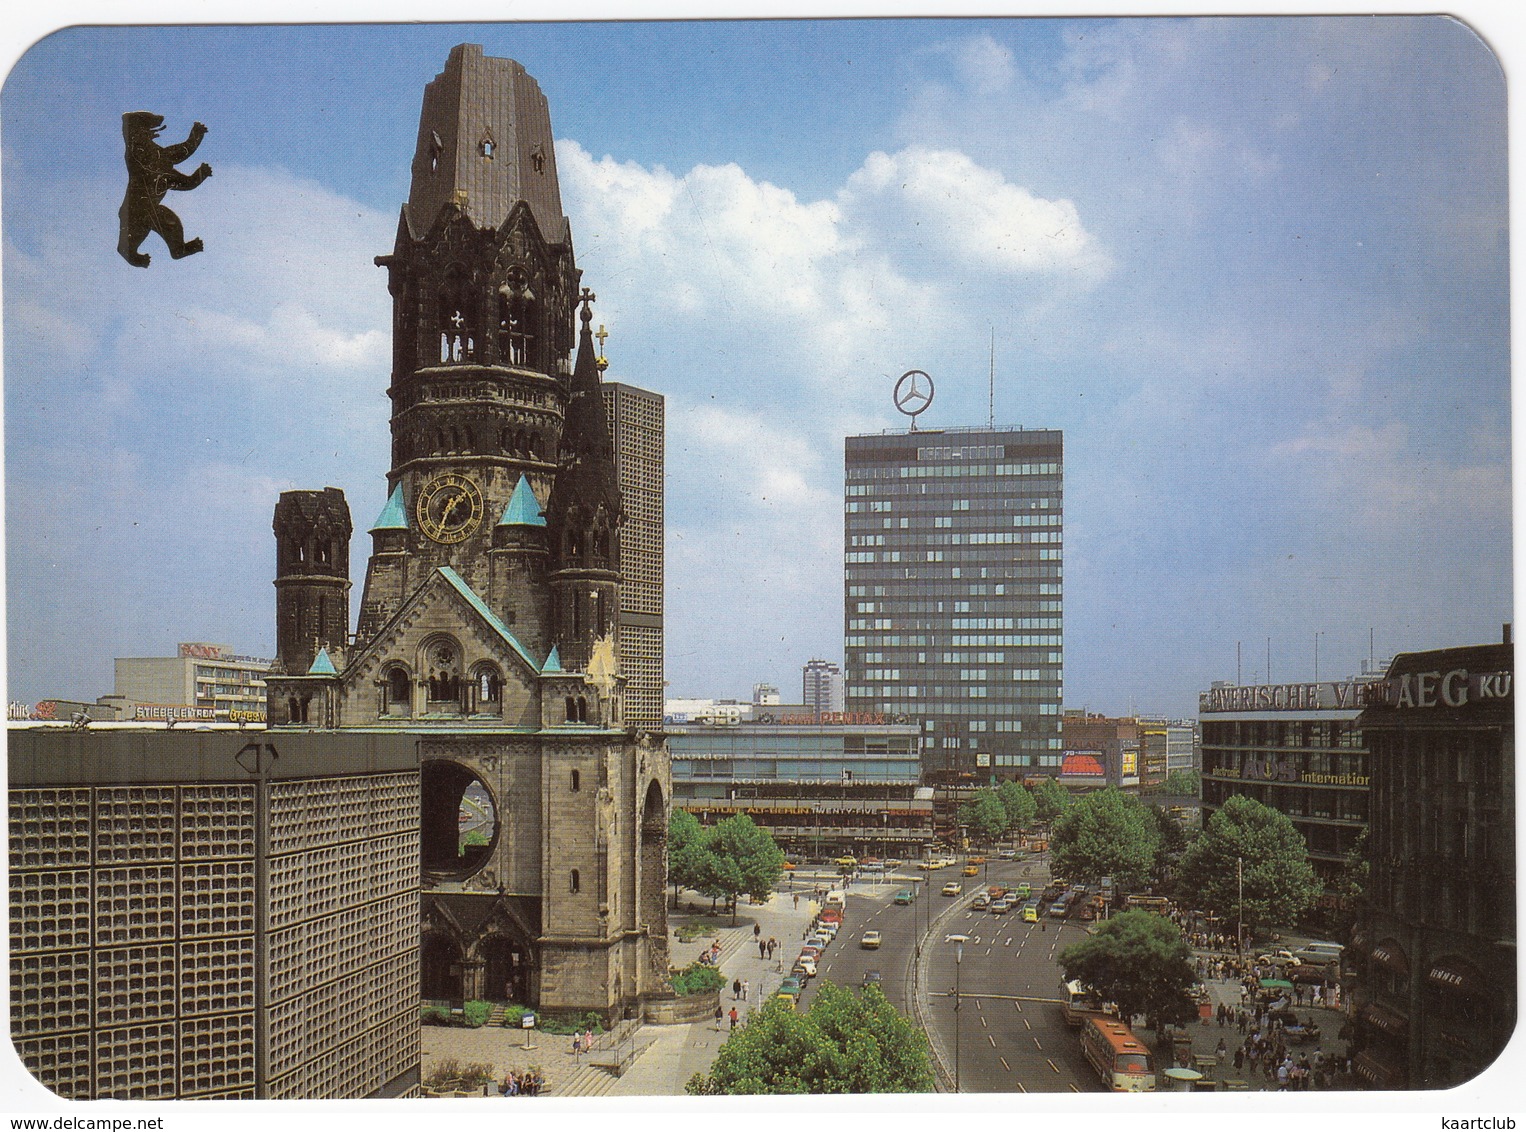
x,y
869,940
805,965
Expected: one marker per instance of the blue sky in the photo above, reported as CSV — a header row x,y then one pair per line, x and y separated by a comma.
x,y
1256,270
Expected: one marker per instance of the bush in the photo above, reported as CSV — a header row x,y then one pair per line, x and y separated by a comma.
x,y
513,1014
434,1016
478,1073
474,1013
697,978
569,1023
445,1072
698,929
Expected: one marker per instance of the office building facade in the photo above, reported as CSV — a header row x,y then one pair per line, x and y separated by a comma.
x,y
201,682
637,423
1298,748
822,686
954,576
1435,944
214,915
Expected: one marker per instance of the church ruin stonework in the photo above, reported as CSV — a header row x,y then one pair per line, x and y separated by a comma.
x,y
489,617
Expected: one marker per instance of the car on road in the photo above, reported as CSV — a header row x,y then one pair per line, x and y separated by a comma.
x,y
871,979
791,985
981,901
905,896
972,870
805,965
810,951
894,863
1282,957
1002,906
1031,912
869,940
1006,854
819,940
952,888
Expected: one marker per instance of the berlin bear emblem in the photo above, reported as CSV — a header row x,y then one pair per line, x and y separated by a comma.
x,y
151,173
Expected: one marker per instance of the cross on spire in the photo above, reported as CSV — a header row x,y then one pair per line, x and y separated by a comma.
x,y
585,298
601,361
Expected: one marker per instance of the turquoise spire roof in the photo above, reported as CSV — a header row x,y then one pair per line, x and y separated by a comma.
x,y
523,509
553,661
394,516
322,665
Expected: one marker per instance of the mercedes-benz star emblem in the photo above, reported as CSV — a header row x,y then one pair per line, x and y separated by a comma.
x,y
913,393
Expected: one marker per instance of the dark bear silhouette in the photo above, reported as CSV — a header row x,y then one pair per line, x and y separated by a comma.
x,y
151,173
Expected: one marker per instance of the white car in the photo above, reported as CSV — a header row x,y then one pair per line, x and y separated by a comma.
x,y
806,965
870,939
1280,958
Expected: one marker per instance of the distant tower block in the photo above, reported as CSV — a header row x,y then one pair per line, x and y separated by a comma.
x,y
312,581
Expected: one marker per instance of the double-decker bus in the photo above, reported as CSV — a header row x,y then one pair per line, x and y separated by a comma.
x,y
1119,1058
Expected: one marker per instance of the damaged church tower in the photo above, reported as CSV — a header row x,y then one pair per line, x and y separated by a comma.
x,y
489,616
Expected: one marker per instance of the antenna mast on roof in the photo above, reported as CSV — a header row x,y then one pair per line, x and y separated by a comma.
x,y
991,392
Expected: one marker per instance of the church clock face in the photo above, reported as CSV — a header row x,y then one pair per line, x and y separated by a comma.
x,y
449,508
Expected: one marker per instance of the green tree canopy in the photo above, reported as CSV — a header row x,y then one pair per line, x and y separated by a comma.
x,y
1182,782
1139,961
743,859
1019,804
1168,852
689,861
845,1043
1106,833
1279,882
1051,798
984,816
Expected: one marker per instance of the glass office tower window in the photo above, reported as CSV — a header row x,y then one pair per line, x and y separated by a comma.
x,y
953,606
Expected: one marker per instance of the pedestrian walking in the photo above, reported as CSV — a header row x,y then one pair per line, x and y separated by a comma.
x,y
718,1015
762,949
733,1017
746,987
736,989
797,900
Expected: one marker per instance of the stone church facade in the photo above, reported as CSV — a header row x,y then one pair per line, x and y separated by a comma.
x,y
488,625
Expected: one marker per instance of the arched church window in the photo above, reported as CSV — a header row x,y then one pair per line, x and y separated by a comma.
x,y
574,881
398,690
576,783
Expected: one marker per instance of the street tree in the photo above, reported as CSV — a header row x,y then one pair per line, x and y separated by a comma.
x,y
1168,853
1279,884
688,854
984,816
1051,798
1139,961
743,859
845,1043
1106,833
1182,782
1020,806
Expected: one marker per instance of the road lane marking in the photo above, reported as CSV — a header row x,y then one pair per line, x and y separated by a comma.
x,y
1004,1064
992,1040
1027,1023
1056,1068
1007,942
1074,1088
984,1024
1023,1088
1040,1047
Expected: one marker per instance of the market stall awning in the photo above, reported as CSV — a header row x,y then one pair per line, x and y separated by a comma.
x,y
1276,984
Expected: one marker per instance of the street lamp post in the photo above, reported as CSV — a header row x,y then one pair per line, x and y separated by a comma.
x,y
1240,908
958,999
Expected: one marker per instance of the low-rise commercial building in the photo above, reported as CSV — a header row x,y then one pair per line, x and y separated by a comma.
x,y
200,683
853,785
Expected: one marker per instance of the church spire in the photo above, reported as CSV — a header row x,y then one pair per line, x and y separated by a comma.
x,y
584,513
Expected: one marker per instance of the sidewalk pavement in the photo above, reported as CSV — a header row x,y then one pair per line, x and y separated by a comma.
x,y
673,1054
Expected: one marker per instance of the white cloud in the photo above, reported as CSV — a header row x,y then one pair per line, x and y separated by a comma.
x,y
985,66
953,204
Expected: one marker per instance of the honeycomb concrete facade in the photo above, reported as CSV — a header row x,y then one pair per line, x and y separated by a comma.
x,y
214,915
